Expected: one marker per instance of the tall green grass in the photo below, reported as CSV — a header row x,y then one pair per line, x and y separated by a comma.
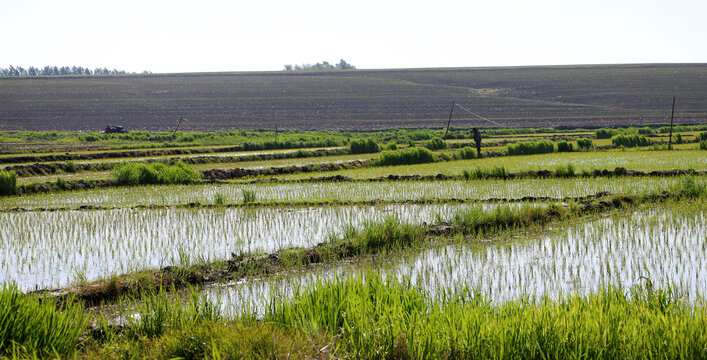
x,y
373,318
8,183
416,155
465,153
564,146
363,146
156,173
632,140
531,147
435,144
567,170
29,326
584,143
606,133
496,172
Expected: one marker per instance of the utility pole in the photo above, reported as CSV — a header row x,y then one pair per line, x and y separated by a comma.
x,y
670,137
450,119
181,118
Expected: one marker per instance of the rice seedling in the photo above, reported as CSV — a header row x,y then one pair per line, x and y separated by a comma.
x,y
8,183
49,246
219,199
248,196
348,191
157,173
567,170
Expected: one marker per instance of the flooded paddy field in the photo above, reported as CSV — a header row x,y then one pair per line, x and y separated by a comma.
x,y
343,191
665,244
53,249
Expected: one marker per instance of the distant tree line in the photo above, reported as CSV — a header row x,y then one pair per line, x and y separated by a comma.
x,y
324,65
63,70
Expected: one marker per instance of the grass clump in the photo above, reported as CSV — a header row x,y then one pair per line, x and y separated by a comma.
x,y
606,133
8,183
376,318
465,153
435,144
703,145
32,327
565,146
157,173
416,155
249,196
631,140
692,188
497,172
363,146
565,171
584,143
391,233
531,147
219,199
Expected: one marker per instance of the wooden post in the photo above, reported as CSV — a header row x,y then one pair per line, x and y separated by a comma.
x,y
450,119
670,137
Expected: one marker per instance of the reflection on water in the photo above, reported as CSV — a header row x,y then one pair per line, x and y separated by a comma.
x,y
52,249
666,245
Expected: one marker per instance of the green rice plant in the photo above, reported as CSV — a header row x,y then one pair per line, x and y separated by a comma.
x,y
606,133
645,131
70,167
249,196
391,146
476,174
564,146
8,183
435,144
690,187
631,140
465,153
363,146
531,147
584,143
60,183
496,172
157,173
416,155
567,170
219,199
677,139
391,233
373,317
159,312
701,136
703,145
37,327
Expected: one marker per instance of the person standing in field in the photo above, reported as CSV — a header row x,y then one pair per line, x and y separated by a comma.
x,y
477,140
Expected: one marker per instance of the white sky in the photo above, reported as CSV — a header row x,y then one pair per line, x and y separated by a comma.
x,y
185,36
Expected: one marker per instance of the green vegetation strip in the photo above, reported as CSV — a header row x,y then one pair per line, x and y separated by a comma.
x,y
369,317
389,235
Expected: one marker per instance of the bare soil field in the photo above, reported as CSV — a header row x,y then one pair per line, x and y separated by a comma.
x,y
573,96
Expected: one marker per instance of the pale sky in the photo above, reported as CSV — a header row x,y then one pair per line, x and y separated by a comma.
x,y
202,36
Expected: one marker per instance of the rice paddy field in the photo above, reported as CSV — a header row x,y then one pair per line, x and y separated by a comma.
x,y
301,253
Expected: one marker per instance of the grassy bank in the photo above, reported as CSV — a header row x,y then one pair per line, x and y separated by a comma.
x,y
370,317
